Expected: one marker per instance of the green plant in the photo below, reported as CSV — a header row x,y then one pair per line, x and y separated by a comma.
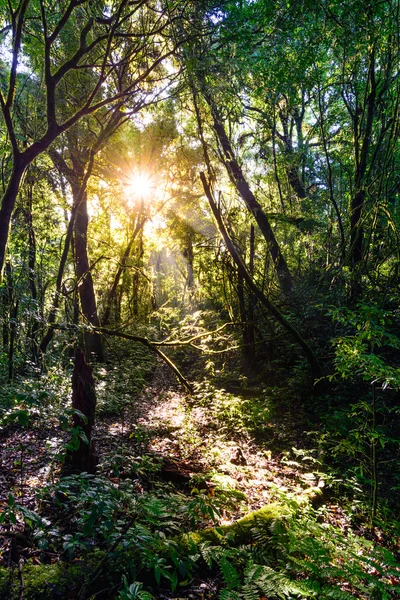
x,y
362,354
116,389
333,563
359,353
133,591
301,555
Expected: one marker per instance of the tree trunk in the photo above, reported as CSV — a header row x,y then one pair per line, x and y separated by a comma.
x,y
9,323
292,169
7,206
136,277
237,177
13,337
243,314
93,341
188,255
357,233
312,359
57,294
34,323
251,353
78,223
83,457
362,126
112,293
6,294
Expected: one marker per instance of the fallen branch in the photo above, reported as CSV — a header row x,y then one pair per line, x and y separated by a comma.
x,y
153,346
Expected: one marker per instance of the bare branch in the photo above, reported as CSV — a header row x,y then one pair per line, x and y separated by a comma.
x,y
135,338
17,39
64,19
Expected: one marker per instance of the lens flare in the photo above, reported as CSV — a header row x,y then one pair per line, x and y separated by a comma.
x,y
139,186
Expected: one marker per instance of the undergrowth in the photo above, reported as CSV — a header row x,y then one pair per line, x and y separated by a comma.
x,y
295,555
125,533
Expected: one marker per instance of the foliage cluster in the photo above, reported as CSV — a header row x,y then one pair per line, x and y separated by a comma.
x,y
295,554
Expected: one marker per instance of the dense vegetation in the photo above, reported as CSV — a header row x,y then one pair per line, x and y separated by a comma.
x,y
200,334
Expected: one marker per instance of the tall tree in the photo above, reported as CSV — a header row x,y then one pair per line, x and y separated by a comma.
x,y
111,49
77,173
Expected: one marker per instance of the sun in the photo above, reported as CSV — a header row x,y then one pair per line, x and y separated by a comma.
x,y
139,186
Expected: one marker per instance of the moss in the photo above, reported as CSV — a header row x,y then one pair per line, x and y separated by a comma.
x,y
41,582
240,531
5,583
47,582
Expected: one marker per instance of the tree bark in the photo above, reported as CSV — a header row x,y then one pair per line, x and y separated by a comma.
x,y
363,122
83,400
188,255
237,177
251,354
78,224
292,170
34,322
357,232
6,295
57,294
243,314
93,341
7,206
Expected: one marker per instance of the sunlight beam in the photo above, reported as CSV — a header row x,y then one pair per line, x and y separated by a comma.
x,y
139,186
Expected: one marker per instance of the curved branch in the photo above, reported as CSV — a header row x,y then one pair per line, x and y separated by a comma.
x,y
153,346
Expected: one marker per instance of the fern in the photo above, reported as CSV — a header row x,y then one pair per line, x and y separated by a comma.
x,y
261,534
300,557
250,592
207,554
323,554
229,595
231,576
271,582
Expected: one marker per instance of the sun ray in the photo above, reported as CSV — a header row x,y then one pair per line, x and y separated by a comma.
x,y
139,186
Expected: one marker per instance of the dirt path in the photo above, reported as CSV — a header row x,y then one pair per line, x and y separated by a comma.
x,y
166,423
162,422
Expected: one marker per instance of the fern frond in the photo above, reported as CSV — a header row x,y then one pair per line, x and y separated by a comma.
x,y
250,592
261,534
207,554
231,576
229,595
272,583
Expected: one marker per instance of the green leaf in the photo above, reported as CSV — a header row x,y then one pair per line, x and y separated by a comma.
x,y
82,435
230,574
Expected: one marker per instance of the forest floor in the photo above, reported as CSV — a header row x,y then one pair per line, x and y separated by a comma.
x,y
161,436
181,435
190,444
